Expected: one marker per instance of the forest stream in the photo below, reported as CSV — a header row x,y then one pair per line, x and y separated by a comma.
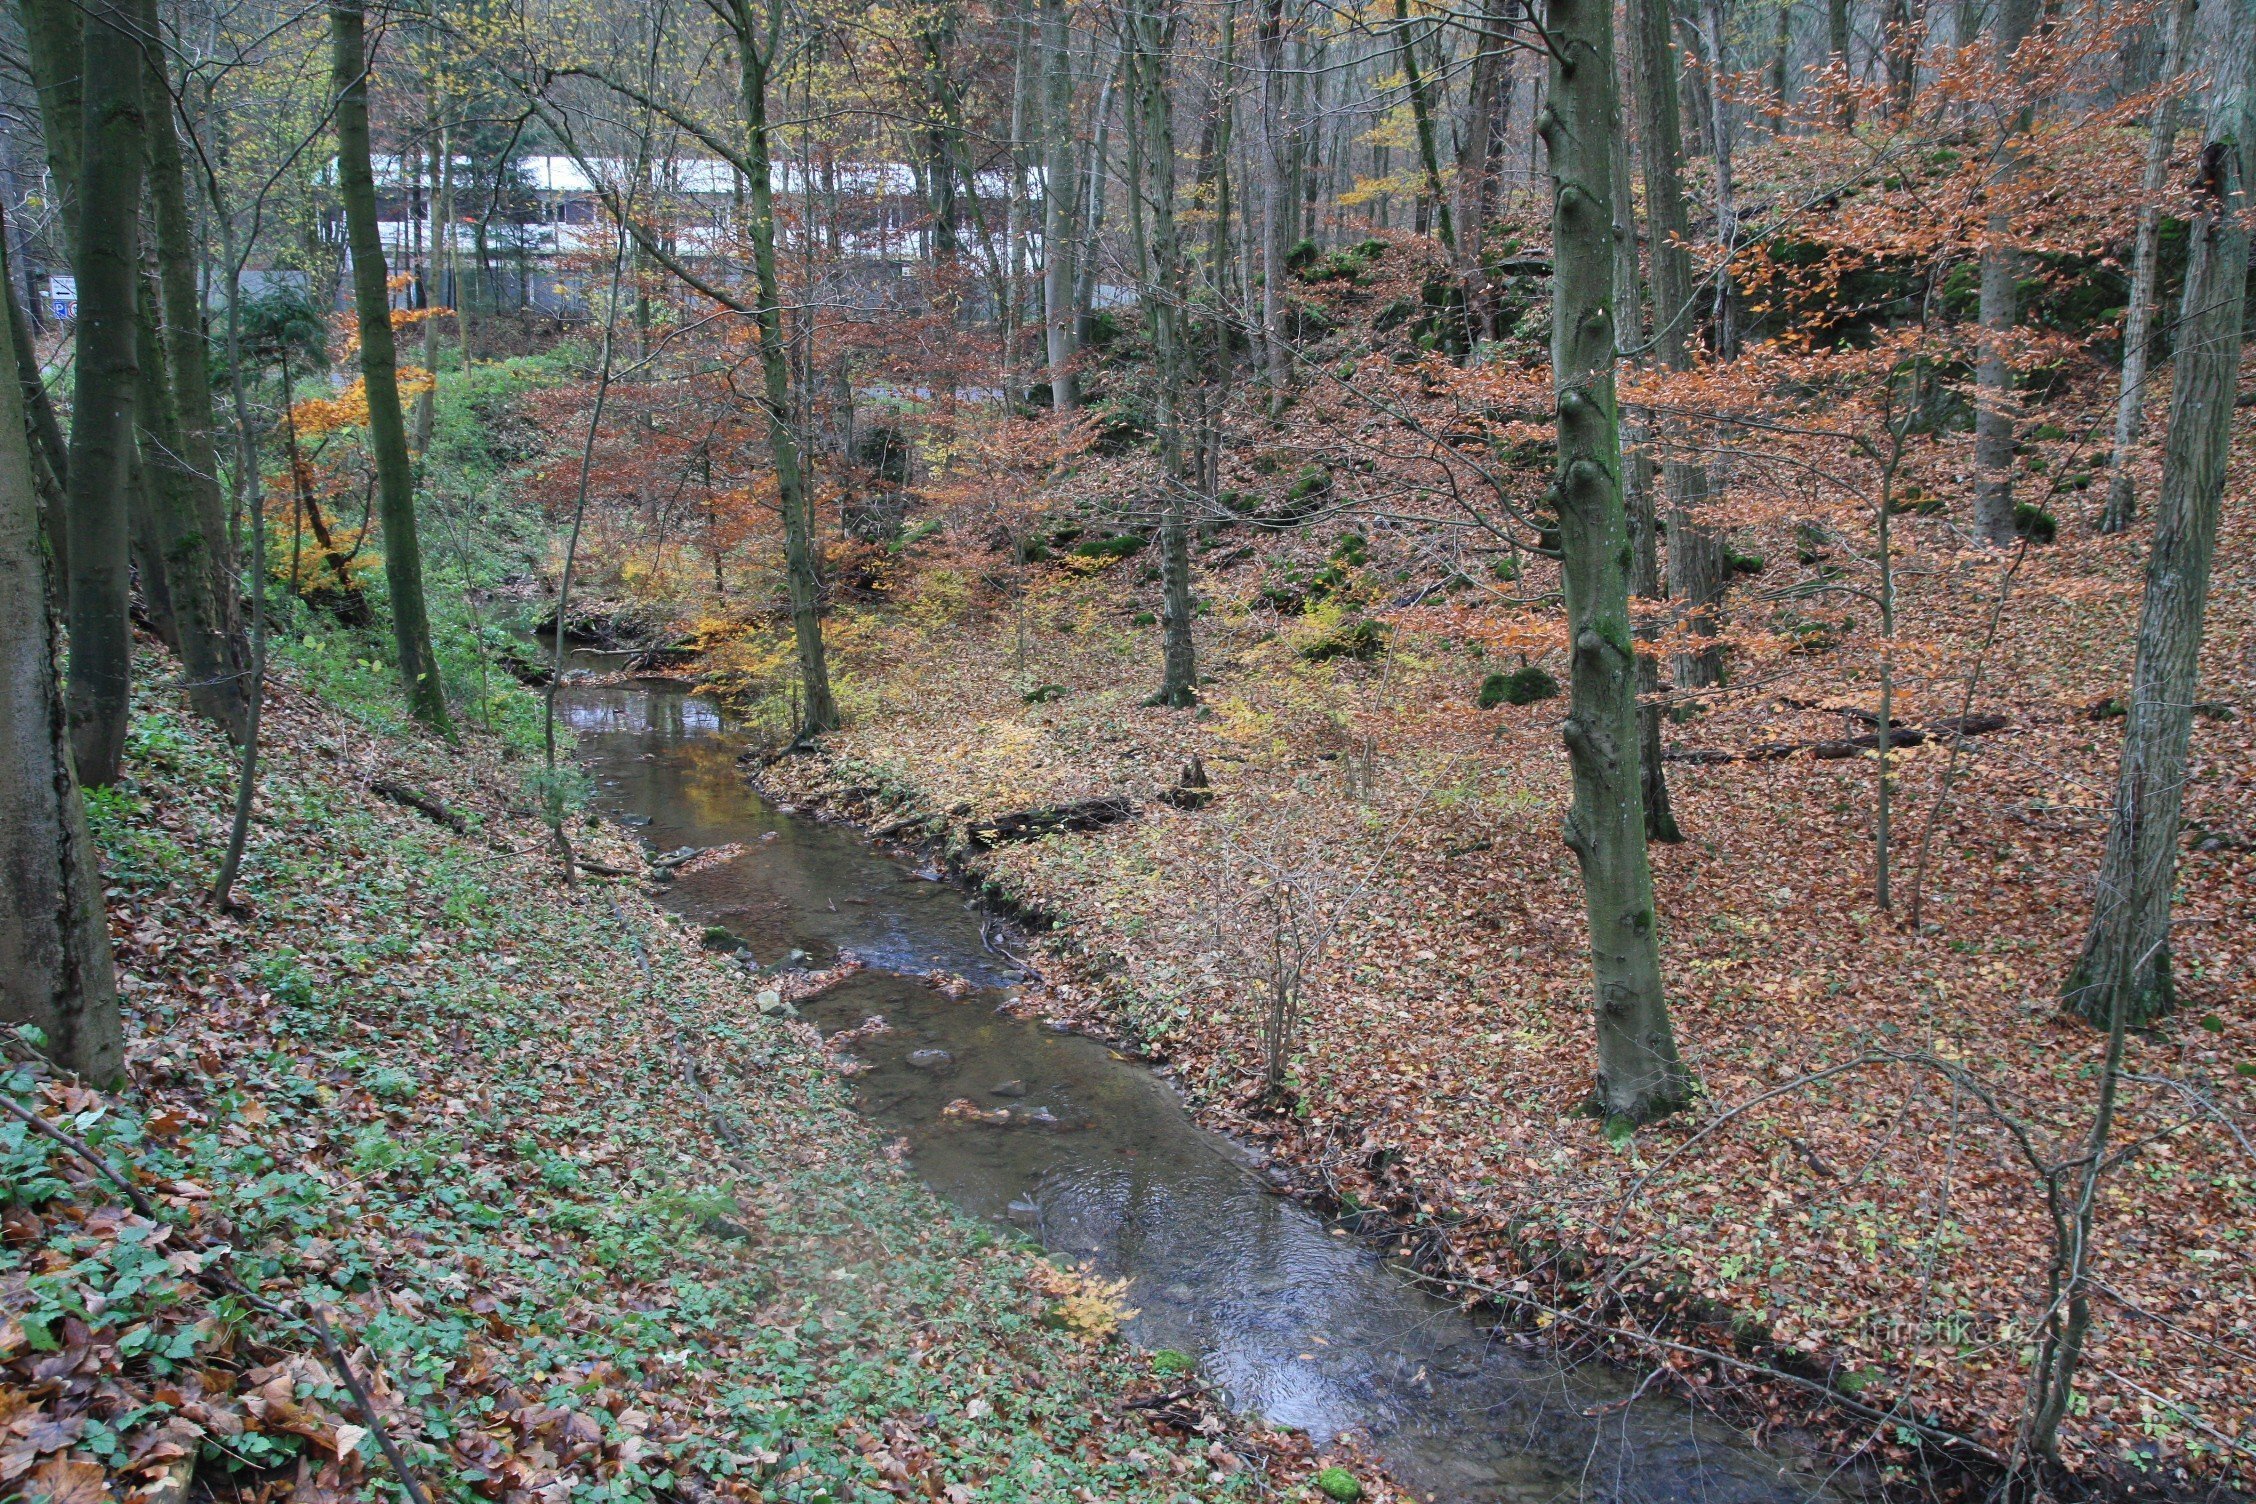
x,y
1291,1317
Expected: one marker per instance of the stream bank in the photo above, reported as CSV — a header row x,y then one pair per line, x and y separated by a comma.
x,y
1291,1316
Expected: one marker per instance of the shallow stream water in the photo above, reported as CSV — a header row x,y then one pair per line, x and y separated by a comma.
x,y
1294,1319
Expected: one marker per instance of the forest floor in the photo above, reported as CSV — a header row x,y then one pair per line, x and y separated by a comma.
x,y
589,1225
1853,1198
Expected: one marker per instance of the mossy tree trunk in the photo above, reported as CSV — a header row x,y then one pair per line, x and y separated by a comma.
x,y
55,965
379,370
2125,967
1640,1077
112,131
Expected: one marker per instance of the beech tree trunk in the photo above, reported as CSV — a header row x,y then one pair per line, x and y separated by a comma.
x,y
1637,493
2138,319
756,39
2000,309
55,965
1640,1077
2125,967
1695,552
113,129
379,369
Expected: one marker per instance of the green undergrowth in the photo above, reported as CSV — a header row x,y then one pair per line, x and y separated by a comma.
x,y
595,1228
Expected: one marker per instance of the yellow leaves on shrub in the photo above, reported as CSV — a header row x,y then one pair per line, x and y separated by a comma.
x,y
1082,1302
741,660
305,560
316,416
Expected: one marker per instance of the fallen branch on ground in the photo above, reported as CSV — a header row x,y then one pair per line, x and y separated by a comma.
x,y
422,804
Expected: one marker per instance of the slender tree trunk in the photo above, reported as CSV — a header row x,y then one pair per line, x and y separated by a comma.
x,y
1781,80
1723,128
49,451
55,966
756,39
379,368
1637,498
144,539
1060,177
1421,115
1906,35
1275,147
1639,1074
2125,967
1883,804
1695,552
2000,309
1489,94
426,401
177,549
940,156
1837,51
250,496
2138,321
183,466
1149,61
112,135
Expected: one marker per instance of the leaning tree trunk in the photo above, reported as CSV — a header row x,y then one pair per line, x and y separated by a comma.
x,y
1999,309
108,262
1639,1075
379,371
1421,115
801,564
1060,175
2126,961
1695,552
2138,321
55,967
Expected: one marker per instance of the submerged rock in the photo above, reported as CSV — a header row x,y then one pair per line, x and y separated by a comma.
x,y
936,1061
1007,1089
